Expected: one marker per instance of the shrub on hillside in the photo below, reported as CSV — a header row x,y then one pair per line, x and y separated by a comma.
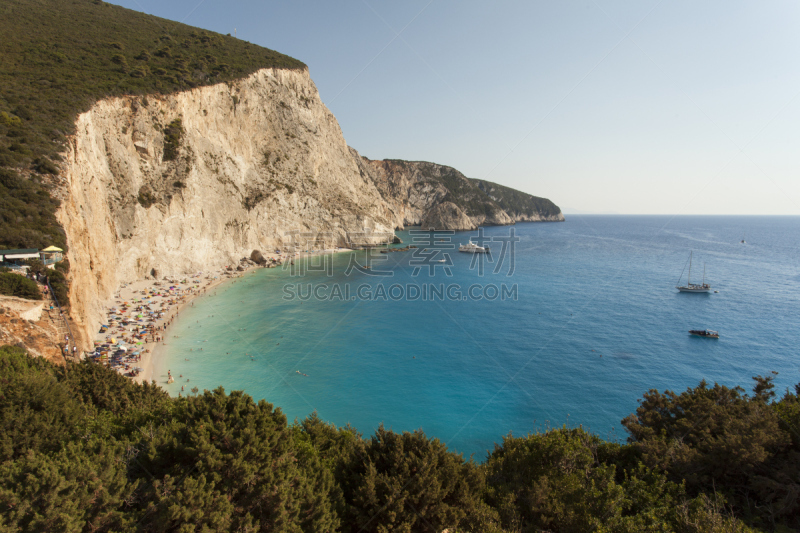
x,y
408,482
12,284
56,277
61,293
42,165
27,213
63,266
85,449
721,440
173,134
9,120
139,72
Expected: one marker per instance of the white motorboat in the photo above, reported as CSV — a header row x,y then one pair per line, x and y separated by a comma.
x,y
473,248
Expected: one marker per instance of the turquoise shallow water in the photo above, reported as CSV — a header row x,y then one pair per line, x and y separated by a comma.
x,y
596,322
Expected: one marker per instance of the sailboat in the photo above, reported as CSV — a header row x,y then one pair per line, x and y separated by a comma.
x,y
693,287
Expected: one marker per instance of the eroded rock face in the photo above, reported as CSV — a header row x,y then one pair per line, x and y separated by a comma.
x,y
405,186
24,323
447,215
258,161
438,196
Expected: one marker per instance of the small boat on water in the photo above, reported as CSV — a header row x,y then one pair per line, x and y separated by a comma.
x,y
473,248
693,287
708,333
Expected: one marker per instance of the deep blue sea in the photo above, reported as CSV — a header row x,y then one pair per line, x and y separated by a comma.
x,y
594,323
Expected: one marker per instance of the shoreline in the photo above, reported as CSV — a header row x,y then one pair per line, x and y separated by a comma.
x,y
154,349
138,297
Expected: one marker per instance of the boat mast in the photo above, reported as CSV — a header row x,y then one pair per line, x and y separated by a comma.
x,y
689,276
704,274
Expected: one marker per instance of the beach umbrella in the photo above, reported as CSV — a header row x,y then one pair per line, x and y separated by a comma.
x,y
123,348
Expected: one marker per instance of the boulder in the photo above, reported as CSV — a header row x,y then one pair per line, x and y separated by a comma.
x,y
257,257
142,148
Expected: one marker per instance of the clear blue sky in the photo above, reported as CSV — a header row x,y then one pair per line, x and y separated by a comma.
x,y
628,107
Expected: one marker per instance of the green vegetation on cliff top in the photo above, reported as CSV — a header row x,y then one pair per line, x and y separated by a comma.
x,y
84,449
58,57
517,203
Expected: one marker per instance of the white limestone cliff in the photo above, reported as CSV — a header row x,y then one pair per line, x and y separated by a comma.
x,y
259,159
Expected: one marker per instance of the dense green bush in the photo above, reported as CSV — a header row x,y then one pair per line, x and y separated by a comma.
x,y
718,439
408,482
570,480
61,293
27,214
42,165
63,266
12,284
57,277
85,449
173,133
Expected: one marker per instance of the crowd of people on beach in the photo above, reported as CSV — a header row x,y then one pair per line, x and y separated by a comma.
x,y
138,321
142,312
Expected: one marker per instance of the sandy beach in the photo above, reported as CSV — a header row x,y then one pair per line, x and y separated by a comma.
x,y
138,316
152,349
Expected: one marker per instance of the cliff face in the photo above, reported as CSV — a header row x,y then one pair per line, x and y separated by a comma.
x,y
404,185
256,160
